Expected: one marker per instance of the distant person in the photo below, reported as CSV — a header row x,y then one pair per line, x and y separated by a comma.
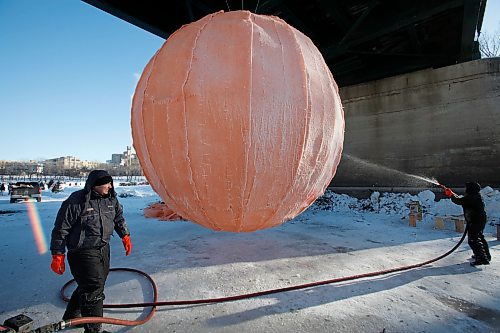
x,y
84,225
475,217
2,188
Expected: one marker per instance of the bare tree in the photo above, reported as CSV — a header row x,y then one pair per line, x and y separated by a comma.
x,y
489,44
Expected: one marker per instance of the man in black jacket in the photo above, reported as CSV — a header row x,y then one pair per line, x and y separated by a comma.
x,y
84,225
475,217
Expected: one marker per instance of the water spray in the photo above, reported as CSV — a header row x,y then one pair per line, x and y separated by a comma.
x,y
382,167
433,181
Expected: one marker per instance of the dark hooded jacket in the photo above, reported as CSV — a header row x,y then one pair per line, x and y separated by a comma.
x,y
472,204
86,219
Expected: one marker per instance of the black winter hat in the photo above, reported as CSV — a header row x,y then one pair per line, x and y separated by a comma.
x,y
472,187
103,180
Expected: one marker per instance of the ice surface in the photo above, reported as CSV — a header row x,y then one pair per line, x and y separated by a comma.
x,y
337,236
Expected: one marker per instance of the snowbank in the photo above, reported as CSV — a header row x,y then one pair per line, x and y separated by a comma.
x,y
398,204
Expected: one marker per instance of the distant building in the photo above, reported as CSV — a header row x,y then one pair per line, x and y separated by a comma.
x,y
66,162
69,162
116,159
127,158
35,168
21,168
128,161
90,165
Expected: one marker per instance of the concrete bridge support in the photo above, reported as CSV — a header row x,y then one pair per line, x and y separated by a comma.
x,y
442,123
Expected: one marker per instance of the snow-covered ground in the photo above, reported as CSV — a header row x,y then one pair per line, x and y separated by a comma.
x,y
337,236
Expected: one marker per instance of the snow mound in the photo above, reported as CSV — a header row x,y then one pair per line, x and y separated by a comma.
x,y
398,203
388,203
135,192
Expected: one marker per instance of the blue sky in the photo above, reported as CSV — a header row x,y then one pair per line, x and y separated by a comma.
x,y
68,71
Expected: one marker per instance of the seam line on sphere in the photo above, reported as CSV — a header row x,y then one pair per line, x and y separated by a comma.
x,y
191,180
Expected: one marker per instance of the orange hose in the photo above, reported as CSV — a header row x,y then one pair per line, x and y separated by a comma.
x,y
114,321
155,303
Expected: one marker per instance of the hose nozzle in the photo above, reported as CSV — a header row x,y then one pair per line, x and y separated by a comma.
x,y
447,191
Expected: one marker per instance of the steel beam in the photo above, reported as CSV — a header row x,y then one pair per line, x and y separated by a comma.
x,y
404,20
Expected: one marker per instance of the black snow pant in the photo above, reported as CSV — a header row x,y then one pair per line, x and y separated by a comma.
x,y
90,268
476,241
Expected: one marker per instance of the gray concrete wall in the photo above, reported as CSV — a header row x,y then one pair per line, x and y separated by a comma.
x,y
442,123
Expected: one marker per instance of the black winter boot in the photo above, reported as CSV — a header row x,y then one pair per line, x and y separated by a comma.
x,y
480,262
72,314
488,256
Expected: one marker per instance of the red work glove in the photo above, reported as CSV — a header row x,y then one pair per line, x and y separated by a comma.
x,y
127,244
448,192
57,264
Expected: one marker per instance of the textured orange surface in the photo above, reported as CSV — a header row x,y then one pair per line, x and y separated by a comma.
x,y
162,212
237,122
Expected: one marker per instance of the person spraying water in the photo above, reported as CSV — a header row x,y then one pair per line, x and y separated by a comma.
x,y
475,216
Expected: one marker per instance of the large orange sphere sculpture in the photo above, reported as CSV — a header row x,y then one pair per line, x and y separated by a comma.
x,y
237,122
